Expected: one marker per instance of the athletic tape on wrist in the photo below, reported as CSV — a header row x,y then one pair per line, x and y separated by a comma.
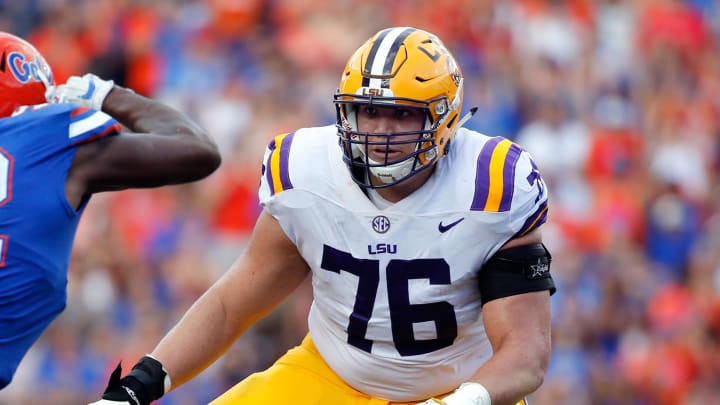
x,y
469,393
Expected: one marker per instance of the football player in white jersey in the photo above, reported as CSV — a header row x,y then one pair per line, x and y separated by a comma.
x,y
431,283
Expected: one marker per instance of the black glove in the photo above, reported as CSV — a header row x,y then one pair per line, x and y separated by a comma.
x,y
144,384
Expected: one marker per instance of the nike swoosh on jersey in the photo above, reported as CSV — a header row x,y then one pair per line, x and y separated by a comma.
x,y
444,228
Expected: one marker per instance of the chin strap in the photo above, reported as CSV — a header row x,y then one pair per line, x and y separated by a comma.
x,y
462,122
467,116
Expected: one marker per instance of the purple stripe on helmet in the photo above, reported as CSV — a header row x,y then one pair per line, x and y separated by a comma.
x,y
482,174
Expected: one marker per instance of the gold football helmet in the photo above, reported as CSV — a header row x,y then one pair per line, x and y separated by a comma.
x,y
407,67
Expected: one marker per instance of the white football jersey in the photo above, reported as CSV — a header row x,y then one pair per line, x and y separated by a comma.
x,y
396,310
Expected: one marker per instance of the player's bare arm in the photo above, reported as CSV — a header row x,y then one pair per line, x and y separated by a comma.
x,y
163,147
518,327
259,280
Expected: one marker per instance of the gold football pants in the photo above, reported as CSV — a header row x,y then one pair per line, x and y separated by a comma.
x,y
300,377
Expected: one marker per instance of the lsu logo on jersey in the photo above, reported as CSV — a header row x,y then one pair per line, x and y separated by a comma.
x,y
380,248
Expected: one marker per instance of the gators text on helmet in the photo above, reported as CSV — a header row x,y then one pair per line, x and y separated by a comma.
x,y
24,74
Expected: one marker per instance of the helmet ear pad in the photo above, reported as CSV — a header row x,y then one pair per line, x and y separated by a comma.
x,y
25,76
402,66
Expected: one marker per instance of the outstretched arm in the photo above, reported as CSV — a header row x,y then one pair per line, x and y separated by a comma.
x,y
162,146
270,269
259,280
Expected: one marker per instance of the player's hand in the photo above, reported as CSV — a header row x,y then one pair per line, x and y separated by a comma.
x,y
107,402
89,91
146,382
432,401
468,393
125,391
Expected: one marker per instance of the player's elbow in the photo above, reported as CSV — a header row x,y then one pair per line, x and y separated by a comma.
x,y
211,159
536,370
205,159
535,378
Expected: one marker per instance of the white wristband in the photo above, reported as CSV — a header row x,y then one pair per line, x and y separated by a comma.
x,y
469,393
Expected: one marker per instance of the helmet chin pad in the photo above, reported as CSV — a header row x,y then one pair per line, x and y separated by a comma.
x,y
393,173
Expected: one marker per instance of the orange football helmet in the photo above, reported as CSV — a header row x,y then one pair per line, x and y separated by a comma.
x,y
24,74
407,67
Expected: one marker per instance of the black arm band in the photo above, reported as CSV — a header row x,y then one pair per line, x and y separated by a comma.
x,y
516,270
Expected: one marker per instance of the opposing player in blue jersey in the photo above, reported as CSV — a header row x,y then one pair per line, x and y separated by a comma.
x,y
430,279
53,157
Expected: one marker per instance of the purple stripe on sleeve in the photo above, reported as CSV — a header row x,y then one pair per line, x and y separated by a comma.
x,y
268,168
535,220
482,175
284,160
509,176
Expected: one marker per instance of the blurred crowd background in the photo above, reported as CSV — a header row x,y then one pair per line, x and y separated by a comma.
x,y
618,101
